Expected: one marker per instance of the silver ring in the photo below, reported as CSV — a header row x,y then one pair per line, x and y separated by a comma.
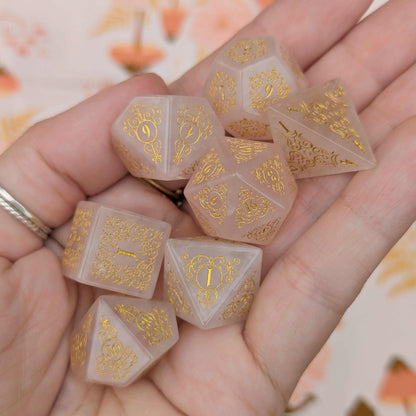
x,y
16,209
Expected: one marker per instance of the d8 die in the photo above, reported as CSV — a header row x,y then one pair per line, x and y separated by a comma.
x,y
210,282
162,137
320,132
115,249
242,190
247,77
120,337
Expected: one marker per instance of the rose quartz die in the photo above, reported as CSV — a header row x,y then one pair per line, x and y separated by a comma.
x,y
120,337
162,137
320,132
211,282
248,76
115,249
241,190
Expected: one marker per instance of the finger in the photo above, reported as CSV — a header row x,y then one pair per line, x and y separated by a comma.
x,y
325,269
60,160
307,28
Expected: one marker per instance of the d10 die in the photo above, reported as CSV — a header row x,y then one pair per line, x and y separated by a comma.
x,y
211,282
162,137
320,132
120,337
115,249
247,77
242,190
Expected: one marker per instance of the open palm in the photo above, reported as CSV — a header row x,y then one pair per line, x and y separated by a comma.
x,y
337,232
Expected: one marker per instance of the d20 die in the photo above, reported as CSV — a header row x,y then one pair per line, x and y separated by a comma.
x,y
120,337
162,137
115,249
241,190
247,77
211,282
320,132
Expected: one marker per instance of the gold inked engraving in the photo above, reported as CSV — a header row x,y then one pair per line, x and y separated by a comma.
x,y
176,295
126,253
243,151
291,62
115,360
331,112
266,88
79,343
142,124
209,168
214,200
248,50
222,91
251,207
135,166
241,301
249,129
194,125
154,324
264,232
107,265
209,275
270,173
77,239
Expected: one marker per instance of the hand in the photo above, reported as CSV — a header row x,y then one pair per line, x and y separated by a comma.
x,y
338,231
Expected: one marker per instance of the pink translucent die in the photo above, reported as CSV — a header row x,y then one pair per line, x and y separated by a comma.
x,y
120,337
248,76
320,132
162,137
241,190
211,282
115,249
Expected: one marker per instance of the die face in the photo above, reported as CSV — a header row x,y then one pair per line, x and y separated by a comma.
x,y
204,279
121,251
320,132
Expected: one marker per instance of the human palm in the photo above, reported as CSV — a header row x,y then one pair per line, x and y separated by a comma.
x,y
337,232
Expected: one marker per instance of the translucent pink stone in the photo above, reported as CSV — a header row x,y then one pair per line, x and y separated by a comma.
x,y
115,249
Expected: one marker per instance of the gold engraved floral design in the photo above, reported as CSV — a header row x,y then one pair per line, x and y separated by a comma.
x,y
263,232
222,91
77,239
115,359
247,50
243,151
249,129
194,125
241,302
153,324
331,112
251,208
209,275
176,295
291,62
135,166
142,124
266,88
79,343
270,173
107,265
214,200
209,168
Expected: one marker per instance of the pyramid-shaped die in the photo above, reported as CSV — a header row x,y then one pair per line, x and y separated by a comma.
x,y
248,76
320,132
115,249
162,137
120,337
211,282
241,190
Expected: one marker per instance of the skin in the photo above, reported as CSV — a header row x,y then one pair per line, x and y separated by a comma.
x,y
338,231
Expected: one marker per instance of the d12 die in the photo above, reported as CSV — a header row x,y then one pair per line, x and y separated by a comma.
x,y
115,249
320,132
247,77
241,190
120,337
211,282
162,137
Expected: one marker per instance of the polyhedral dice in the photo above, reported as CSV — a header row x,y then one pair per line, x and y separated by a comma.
x,y
115,249
248,76
320,132
120,337
162,137
211,282
241,190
